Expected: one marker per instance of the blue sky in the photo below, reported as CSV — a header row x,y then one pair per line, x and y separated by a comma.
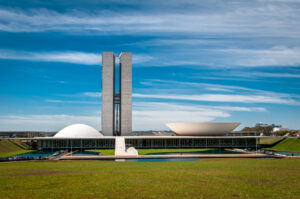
x,y
222,61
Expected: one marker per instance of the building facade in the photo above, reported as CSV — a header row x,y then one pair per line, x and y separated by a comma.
x,y
116,118
148,142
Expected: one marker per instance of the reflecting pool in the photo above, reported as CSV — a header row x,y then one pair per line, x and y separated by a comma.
x,y
153,160
215,151
35,154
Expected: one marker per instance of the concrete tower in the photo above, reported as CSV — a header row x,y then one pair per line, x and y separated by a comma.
x,y
116,103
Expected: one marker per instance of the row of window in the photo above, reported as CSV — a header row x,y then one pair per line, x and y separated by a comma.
x,y
149,143
95,143
190,143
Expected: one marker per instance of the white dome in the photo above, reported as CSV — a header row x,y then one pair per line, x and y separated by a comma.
x,y
78,131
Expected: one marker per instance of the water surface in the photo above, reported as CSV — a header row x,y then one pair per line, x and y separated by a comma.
x,y
154,160
216,151
35,154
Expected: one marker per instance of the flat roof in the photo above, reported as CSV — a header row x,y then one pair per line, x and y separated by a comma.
x,y
140,137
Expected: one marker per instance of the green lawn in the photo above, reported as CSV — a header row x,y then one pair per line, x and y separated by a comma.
x,y
11,148
147,151
289,144
104,151
269,140
207,178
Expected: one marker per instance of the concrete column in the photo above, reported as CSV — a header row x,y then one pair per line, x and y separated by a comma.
x,y
107,117
126,93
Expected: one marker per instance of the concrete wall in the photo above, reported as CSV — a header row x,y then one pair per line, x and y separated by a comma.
x,y
126,93
107,117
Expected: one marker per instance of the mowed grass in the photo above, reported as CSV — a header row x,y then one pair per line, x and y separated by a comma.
x,y
269,140
103,151
148,151
207,178
289,144
11,148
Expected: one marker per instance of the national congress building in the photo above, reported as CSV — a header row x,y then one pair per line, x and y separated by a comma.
x,y
116,121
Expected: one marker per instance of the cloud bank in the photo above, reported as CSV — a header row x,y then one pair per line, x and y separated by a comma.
x,y
72,57
248,19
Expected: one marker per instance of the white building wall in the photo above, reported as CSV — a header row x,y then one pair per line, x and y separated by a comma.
x,y
108,66
126,93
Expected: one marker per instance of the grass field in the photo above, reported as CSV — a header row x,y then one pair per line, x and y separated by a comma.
x,y
147,151
209,179
269,140
11,148
104,151
289,144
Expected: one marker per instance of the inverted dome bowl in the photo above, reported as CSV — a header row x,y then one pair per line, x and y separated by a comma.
x,y
203,128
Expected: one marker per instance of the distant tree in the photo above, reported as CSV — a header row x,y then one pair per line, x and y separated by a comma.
x,y
268,129
281,133
246,129
258,129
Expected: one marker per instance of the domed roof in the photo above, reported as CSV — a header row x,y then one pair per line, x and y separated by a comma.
x,y
78,131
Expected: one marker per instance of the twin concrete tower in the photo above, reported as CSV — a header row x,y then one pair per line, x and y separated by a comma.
x,y
116,94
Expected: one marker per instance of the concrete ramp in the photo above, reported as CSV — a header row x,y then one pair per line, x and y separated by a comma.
x,y
120,148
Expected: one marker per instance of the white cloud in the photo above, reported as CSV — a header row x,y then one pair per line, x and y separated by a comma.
x,y
72,101
252,18
92,94
241,94
264,74
45,122
193,107
247,20
226,57
182,87
238,108
206,86
221,98
218,89
276,56
67,57
141,58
